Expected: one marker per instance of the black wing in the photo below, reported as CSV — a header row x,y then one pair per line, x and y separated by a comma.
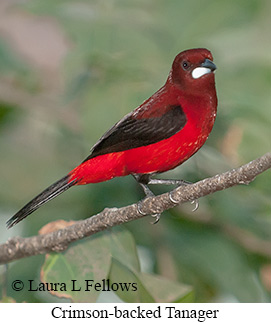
x,y
132,132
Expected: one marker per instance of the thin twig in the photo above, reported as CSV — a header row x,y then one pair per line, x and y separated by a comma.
x,y
16,248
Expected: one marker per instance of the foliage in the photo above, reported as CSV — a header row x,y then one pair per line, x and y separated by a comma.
x,y
107,262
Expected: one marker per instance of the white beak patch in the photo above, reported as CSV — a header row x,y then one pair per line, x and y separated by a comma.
x,y
200,71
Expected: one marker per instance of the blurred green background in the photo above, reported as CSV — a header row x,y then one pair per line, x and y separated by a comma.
x,y
71,69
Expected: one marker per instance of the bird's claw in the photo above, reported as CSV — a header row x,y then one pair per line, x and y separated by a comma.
x,y
196,202
157,217
139,208
172,199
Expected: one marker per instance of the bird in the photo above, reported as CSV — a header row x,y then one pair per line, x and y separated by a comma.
x,y
157,136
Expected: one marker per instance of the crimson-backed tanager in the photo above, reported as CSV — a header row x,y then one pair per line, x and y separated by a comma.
x,y
160,134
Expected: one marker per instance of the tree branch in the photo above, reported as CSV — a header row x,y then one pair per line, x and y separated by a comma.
x,y
16,248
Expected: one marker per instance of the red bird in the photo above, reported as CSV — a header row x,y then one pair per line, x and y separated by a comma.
x,y
160,134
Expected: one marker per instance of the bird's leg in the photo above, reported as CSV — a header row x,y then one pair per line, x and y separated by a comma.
x,y
143,180
178,182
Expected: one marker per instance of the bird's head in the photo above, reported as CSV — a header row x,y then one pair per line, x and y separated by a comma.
x,y
193,70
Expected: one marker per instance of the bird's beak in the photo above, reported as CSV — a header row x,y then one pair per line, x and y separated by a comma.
x,y
208,64
205,68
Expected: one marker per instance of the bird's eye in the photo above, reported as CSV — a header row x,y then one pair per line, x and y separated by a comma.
x,y
185,65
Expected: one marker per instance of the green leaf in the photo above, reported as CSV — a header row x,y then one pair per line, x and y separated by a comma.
x,y
146,288
135,286
166,291
120,274
85,260
123,248
90,260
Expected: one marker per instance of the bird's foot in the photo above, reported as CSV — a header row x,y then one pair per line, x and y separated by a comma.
x,y
178,182
145,179
148,193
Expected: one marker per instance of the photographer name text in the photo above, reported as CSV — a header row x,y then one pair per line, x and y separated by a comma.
x,y
86,285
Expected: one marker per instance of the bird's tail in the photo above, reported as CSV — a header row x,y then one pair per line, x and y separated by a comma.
x,y
48,194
